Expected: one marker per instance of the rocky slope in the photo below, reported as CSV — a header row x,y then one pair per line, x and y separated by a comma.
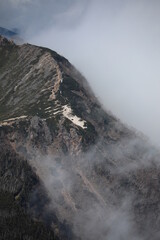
x,y
68,167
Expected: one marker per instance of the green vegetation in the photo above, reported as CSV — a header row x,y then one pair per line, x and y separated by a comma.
x,y
8,55
70,84
17,183
15,224
88,134
52,123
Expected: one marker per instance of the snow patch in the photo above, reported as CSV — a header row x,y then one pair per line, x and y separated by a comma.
x,y
10,120
59,111
67,112
48,108
13,119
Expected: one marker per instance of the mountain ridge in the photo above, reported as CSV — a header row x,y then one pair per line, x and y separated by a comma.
x,y
91,172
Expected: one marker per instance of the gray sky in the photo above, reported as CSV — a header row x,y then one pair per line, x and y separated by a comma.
x,y
114,43
34,16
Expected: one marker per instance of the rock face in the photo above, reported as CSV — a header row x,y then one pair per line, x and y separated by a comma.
x,y
69,170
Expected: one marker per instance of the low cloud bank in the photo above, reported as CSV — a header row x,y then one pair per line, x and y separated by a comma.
x,y
97,193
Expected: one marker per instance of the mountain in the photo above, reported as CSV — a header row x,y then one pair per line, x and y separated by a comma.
x,y
12,35
7,33
69,169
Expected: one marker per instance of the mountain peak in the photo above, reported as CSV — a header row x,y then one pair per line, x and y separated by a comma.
x,y
64,160
47,86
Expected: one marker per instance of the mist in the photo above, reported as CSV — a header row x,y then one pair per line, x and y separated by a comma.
x,y
97,194
114,44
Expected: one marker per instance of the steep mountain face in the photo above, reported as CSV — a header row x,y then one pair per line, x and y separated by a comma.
x,y
68,167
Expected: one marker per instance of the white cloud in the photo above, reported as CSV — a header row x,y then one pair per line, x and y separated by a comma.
x,y
116,47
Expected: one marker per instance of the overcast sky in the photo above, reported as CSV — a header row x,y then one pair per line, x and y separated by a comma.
x,y
114,43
